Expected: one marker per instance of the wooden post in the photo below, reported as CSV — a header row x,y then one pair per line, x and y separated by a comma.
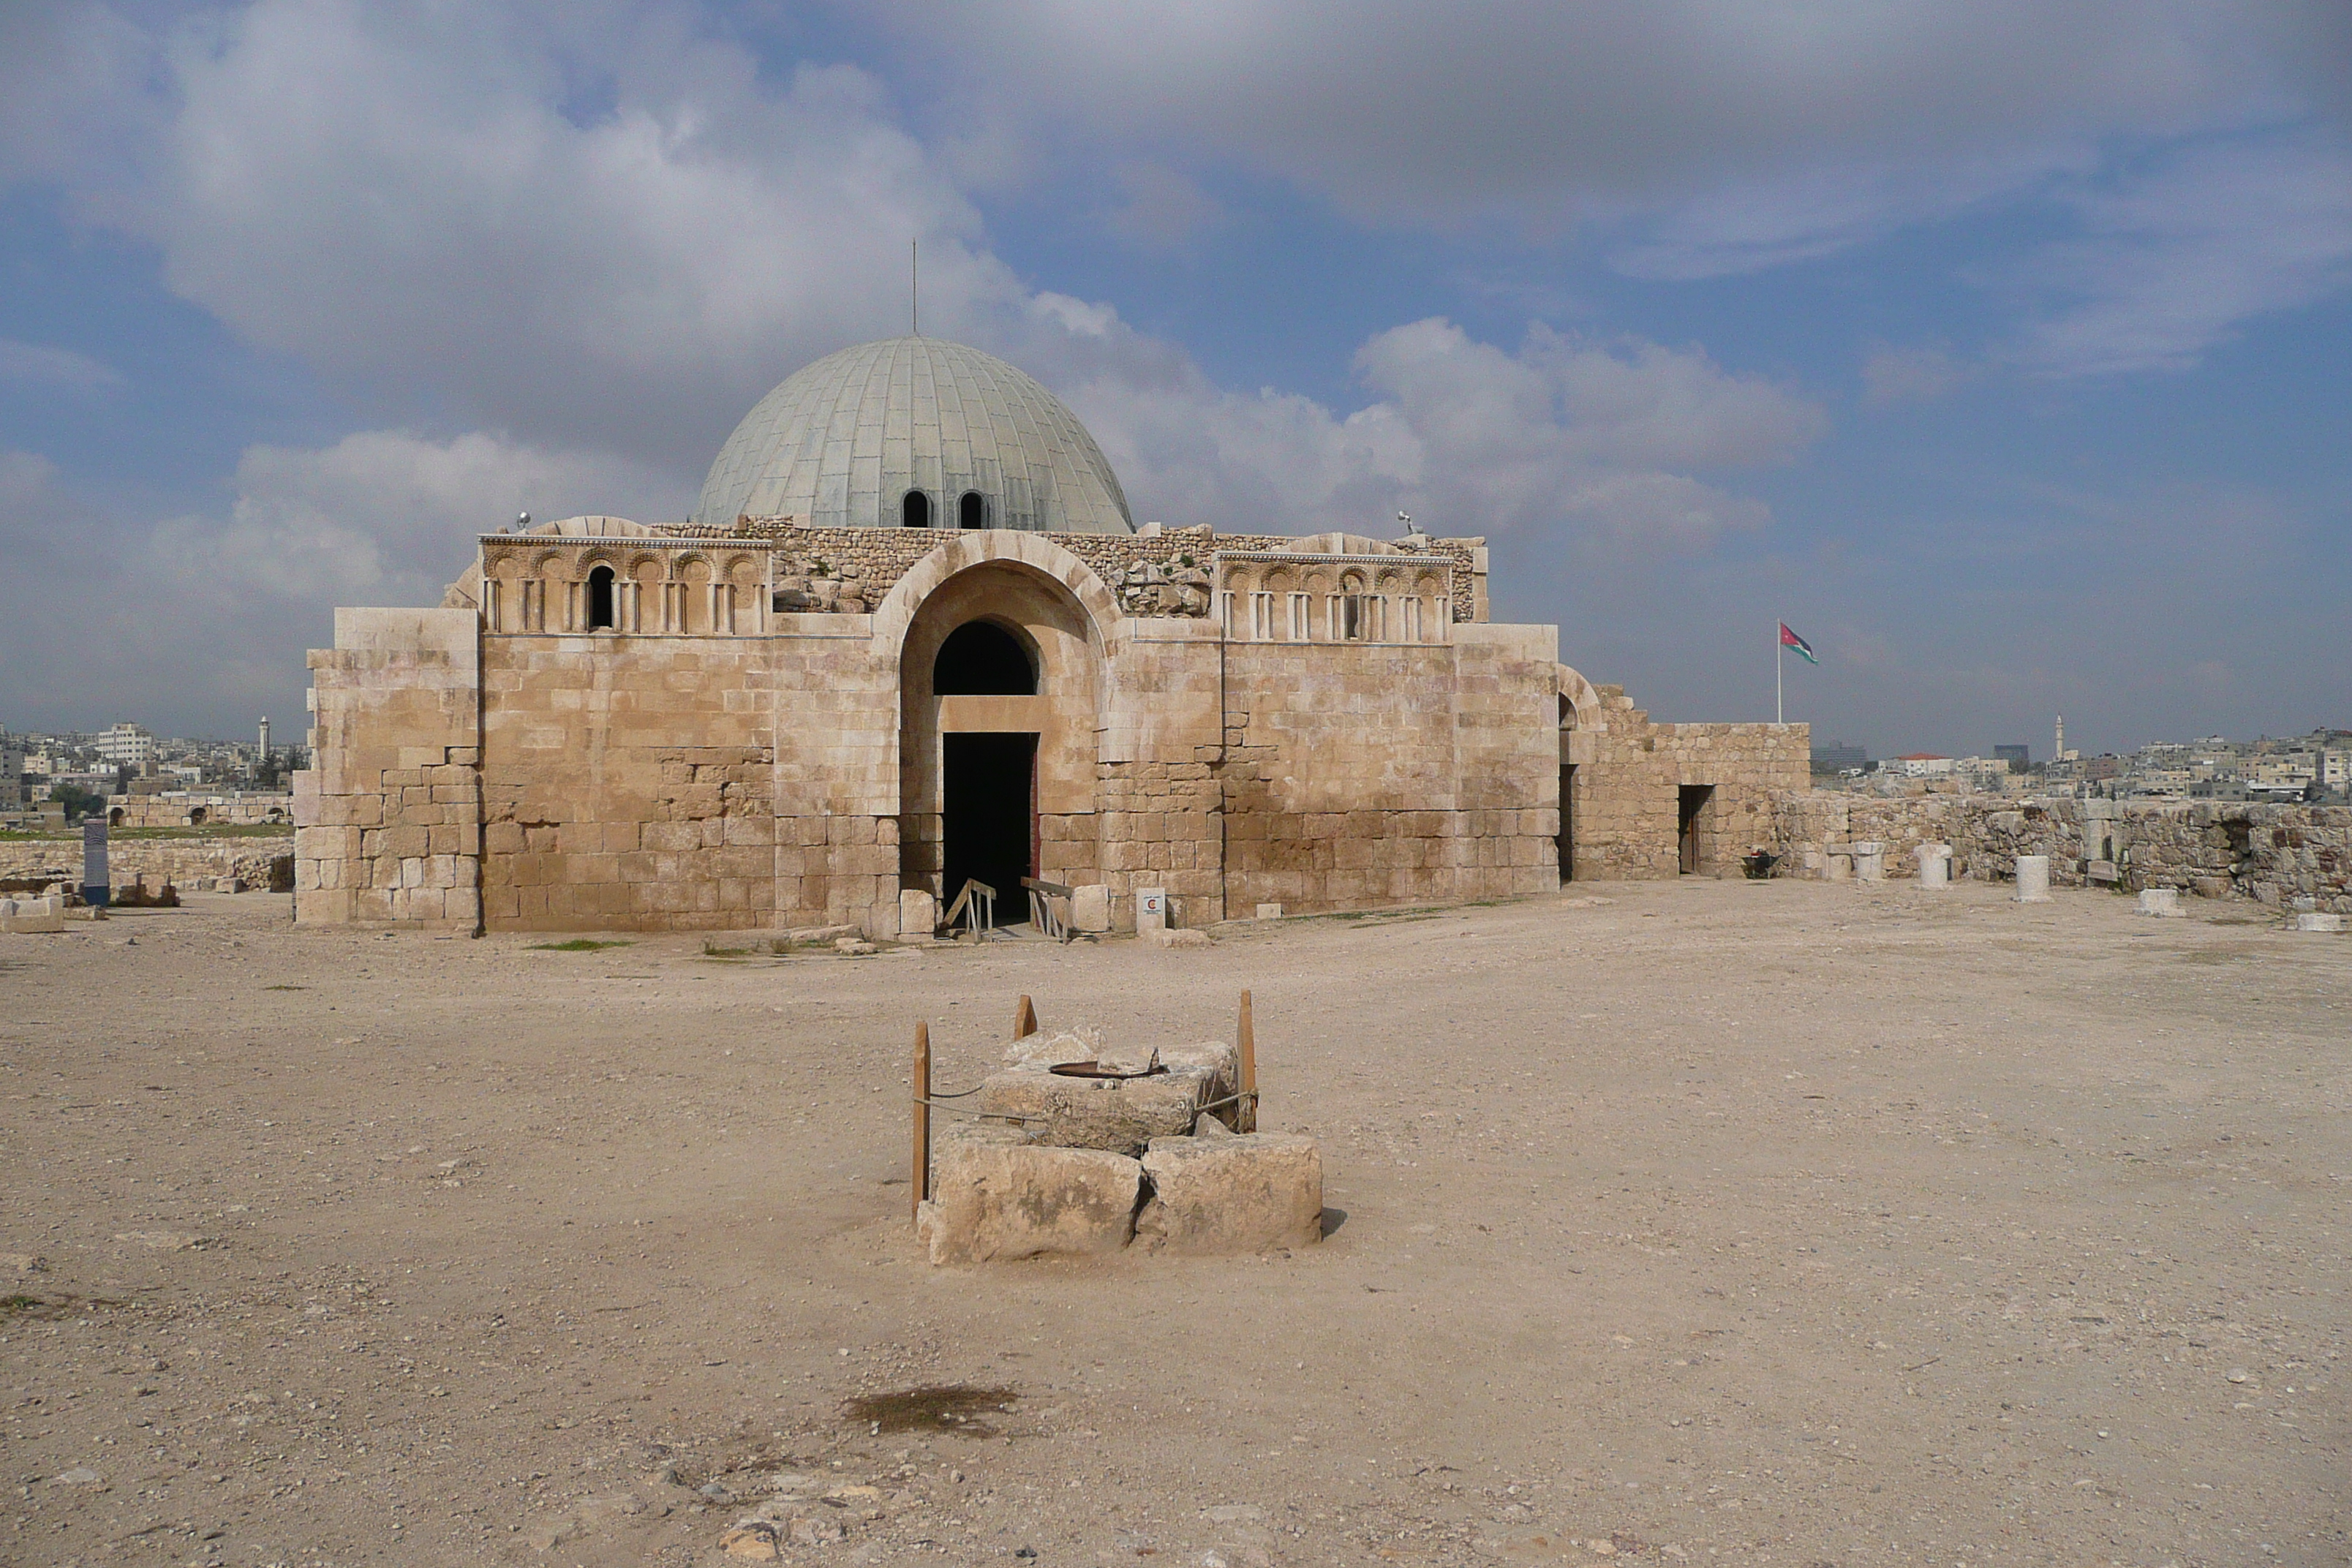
x,y
1245,1047
1024,1020
921,1178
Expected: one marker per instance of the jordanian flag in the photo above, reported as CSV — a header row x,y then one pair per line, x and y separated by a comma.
x,y
1791,639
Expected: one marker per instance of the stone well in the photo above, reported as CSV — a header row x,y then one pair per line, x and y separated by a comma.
x,y
1151,1157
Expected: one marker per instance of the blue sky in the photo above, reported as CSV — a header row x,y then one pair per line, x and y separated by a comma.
x,y
2001,349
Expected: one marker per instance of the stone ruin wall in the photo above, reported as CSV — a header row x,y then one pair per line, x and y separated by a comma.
x,y
182,809
2273,854
1626,791
258,863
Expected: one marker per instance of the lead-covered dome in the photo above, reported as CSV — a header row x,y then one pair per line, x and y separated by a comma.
x,y
915,432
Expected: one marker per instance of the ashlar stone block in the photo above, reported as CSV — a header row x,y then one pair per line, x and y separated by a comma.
x,y
997,1197
1225,1194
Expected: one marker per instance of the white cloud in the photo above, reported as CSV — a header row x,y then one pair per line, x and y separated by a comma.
x,y
1401,111
199,621
386,517
594,227
2174,261
1596,441
43,365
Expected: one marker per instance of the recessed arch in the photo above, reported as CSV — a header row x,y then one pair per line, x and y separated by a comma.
x,y
984,658
971,511
915,510
600,599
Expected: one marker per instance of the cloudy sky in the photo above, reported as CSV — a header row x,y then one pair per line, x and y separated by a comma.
x,y
2003,349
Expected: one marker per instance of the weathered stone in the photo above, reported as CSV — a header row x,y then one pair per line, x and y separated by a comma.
x,y
753,1542
2319,922
1163,937
856,947
1248,1192
1079,1043
1269,911
1121,1115
1090,907
818,936
919,914
997,1197
2160,901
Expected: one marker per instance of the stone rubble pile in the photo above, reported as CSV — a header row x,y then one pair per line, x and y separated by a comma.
x,y
1064,1165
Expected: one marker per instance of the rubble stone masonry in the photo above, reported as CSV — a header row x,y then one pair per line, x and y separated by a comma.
x,y
2273,854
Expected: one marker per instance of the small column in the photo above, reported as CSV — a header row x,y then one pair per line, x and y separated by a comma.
x,y
1869,860
2034,879
1935,865
95,887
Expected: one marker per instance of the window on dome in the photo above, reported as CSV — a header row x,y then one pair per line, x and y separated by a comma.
x,y
915,512
972,511
600,599
981,658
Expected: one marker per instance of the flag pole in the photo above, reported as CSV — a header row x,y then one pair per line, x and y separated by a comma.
x,y
1778,716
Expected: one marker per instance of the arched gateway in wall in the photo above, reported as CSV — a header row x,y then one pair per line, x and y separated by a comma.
x,y
1000,681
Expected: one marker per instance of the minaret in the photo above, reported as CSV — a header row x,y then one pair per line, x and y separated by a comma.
x,y
265,737
2058,753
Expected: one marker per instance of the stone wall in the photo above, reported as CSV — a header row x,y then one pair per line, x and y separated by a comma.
x,y
627,784
2275,854
191,808
1626,790
698,768
389,821
260,863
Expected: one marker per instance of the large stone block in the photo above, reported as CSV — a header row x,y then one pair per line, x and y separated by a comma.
x,y
996,1197
1223,1194
1121,1115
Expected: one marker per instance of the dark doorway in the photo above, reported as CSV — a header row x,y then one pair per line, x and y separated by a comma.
x,y
981,658
1691,814
600,599
1565,840
989,816
915,511
972,511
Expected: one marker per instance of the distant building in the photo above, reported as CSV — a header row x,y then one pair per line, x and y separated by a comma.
x,y
1919,764
2019,758
126,746
1838,757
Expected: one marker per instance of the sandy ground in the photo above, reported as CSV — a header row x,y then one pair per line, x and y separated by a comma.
x,y
1781,1223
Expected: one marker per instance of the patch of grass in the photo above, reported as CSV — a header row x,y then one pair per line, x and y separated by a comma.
x,y
577,944
286,988
958,1407
14,1306
709,951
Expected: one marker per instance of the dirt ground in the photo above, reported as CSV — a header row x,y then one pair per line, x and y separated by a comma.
x,y
1777,1223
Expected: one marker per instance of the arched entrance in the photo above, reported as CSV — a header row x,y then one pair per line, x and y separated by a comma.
x,y
998,676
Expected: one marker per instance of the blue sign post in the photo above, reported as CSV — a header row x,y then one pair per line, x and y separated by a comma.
x,y
94,887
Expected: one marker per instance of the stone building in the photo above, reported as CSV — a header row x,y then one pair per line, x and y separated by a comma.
x,y
910,636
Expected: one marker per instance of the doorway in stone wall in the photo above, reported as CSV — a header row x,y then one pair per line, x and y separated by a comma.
x,y
1565,842
989,816
1690,820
